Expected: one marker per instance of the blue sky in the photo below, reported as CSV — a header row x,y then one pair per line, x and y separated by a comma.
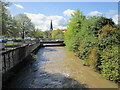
x,y
60,12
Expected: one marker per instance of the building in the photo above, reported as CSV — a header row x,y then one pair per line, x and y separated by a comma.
x,y
64,30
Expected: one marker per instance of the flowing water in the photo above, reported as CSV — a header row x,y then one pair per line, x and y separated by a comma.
x,y
56,67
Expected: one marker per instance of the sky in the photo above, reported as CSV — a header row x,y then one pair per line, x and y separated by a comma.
x,y
41,13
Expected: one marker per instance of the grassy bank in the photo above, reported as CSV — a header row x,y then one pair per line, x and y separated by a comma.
x,y
13,44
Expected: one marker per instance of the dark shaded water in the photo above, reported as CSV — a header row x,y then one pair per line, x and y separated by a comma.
x,y
55,67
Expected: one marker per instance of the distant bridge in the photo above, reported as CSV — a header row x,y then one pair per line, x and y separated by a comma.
x,y
52,43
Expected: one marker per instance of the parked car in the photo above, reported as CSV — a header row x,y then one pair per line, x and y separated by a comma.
x,y
13,39
3,40
27,38
16,40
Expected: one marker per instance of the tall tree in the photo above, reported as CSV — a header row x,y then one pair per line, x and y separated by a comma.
x,y
14,28
26,26
74,26
6,19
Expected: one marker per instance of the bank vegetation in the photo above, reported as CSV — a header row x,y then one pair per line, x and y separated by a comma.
x,y
95,41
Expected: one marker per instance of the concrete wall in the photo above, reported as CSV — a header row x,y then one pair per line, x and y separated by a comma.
x,y
13,57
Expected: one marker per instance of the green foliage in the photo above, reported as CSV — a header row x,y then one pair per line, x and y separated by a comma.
x,y
100,23
46,34
14,29
25,25
58,34
6,19
95,41
17,26
108,49
110,62
74,26
86,38
37,33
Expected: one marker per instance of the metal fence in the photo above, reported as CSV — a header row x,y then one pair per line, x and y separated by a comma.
x,y
12,57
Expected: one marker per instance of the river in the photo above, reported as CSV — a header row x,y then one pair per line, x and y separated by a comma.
x,y
56,67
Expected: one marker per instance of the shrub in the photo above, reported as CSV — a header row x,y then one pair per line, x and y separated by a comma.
x,y
110,63
93,57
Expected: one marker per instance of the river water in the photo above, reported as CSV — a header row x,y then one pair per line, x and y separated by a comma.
x,y
56,67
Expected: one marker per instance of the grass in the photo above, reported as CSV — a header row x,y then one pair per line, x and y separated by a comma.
x,y
13,44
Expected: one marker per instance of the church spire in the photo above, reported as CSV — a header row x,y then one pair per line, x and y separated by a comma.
x,y
51,26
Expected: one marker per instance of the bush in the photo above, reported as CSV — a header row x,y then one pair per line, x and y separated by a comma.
x,y
93,57
108,48
110,63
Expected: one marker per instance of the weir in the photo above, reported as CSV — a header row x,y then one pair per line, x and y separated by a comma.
x,y
52,43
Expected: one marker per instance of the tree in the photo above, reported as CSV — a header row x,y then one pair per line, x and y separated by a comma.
x,y
73,27
85,40
1,18
14,28
46,34
100,23
5,19
17,26
26,26
37,33
58,34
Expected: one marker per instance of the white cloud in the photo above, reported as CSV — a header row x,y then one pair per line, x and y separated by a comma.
x,y
115,19
95,13
42,21
112,11
68,12
19,6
